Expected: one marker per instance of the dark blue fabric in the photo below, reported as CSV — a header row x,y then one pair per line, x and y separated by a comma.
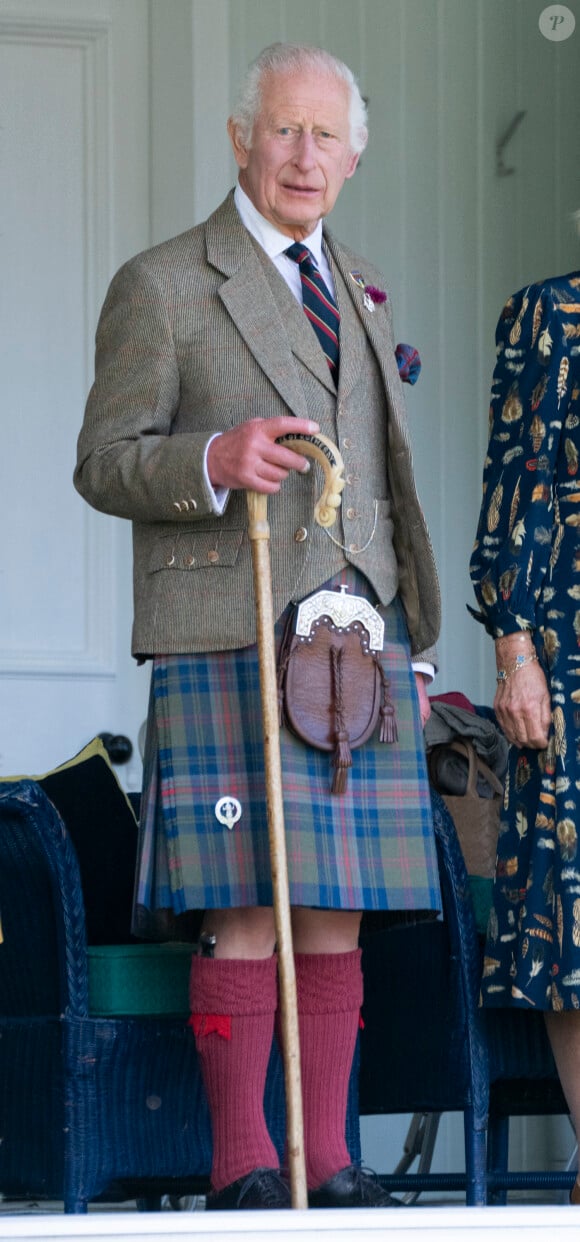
x,y
526,574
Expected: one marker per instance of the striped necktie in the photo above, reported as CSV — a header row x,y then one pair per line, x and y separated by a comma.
x,y
319,305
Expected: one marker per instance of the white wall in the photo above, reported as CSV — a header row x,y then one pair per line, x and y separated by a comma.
x,y
74,202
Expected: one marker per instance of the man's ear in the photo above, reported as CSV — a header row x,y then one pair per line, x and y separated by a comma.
x,y
238,147
352,164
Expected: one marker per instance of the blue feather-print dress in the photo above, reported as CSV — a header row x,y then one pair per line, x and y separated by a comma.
x,y
525,569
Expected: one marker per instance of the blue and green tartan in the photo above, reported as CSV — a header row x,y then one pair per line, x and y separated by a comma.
x,y
370,848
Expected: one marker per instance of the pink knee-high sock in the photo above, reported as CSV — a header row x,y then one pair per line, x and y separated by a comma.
x,y
330,992
233,1003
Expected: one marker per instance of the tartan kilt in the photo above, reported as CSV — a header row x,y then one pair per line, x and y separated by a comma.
x,y
371,848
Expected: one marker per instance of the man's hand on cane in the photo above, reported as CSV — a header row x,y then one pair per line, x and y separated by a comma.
x,y
247,456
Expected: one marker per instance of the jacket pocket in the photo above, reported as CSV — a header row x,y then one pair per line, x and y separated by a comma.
x,y
188,550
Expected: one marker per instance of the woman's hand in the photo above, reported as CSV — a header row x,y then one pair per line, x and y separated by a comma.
x,y
522,702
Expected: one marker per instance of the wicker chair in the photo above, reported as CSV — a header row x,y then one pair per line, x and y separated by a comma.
x,y
109,1108
423,1047
523,1083
114,1107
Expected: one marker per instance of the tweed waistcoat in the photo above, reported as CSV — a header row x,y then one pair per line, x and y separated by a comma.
x,y
354,419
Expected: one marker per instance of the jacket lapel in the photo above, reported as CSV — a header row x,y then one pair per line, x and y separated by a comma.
x,y
262,307
374,323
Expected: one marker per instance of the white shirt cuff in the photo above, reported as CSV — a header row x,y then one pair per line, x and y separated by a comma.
x,y
219,495
427,670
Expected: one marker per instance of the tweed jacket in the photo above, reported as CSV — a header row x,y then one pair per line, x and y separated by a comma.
x,y
196,335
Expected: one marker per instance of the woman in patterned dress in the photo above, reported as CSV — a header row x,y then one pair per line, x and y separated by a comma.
x,y
525,569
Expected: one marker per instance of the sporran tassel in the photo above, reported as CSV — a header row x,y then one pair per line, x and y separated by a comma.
x,y
341,762
342,758
388,730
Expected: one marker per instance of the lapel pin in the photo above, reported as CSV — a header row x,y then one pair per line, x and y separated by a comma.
x,y
371,295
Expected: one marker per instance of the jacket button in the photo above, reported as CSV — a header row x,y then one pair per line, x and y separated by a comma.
x,y
301,534
213,557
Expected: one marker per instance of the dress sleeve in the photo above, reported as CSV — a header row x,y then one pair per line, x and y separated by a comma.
x,y
528,405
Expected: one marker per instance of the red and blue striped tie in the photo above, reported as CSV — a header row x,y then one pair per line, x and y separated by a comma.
x,y
319,304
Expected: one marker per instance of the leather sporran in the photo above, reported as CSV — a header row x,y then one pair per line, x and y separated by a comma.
x,y
332,688
476,818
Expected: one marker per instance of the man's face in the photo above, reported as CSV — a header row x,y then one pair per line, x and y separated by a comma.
x,y
300,155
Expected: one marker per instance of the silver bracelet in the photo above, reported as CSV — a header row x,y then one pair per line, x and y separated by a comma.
x,y
504,674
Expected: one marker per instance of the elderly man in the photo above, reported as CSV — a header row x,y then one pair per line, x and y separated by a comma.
x,y
205,359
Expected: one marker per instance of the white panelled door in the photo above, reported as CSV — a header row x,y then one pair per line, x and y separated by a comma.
x,y
74,203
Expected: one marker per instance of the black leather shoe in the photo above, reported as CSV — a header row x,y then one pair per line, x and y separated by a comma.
x,y
262,1188
351,1187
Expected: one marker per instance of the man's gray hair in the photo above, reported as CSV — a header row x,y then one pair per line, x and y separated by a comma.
x,y
293,58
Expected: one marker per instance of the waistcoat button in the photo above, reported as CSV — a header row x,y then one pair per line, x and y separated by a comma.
x,y
301,534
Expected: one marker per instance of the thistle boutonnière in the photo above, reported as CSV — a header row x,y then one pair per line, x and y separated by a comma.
x,y
371,295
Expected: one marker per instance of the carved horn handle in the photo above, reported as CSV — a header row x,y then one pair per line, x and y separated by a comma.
x,y
327,455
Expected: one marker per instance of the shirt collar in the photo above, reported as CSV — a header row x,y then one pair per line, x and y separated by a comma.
x,y
267,235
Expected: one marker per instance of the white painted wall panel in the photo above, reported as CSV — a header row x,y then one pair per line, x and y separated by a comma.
x,y
53,568
74,162
44,85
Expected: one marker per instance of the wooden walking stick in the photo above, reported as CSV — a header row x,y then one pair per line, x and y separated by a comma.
x,y
323,451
